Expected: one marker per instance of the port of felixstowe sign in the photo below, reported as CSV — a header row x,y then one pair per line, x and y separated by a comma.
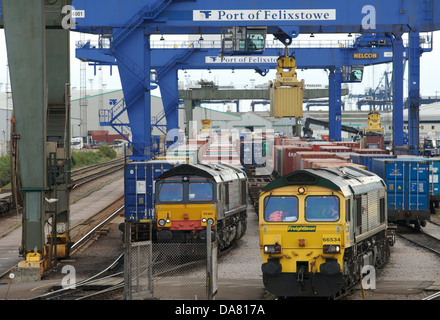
x,y
242,59
264,15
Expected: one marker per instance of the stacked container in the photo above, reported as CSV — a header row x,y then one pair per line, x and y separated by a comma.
x,y
366,159
434,180
407,184
335,149
370,151
299,156
253,152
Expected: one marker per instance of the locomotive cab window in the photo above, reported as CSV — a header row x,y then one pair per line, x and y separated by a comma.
x,y
200,191
172,192
322,208
280,209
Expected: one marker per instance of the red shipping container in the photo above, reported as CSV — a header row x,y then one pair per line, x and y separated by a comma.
x,y
315,145
97,132
349,144
345,156
279,152
293,142
337,149
288,155
311,163
373,141
277,141
308,155
112,137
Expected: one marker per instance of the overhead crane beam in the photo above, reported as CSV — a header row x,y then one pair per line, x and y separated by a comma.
x,y
290,18
167,61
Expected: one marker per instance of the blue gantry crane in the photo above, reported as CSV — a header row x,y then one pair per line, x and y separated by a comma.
x,y
344,60
134,22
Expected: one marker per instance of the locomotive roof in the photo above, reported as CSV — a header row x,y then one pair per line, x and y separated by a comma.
x,y
217,171
348,180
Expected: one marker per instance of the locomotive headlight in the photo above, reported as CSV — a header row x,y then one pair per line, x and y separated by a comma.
x,y
302,190
208,216
163,218
331,248
274,248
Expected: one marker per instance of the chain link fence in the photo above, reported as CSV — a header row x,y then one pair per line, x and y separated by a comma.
x,y
138,271
170,271
179,271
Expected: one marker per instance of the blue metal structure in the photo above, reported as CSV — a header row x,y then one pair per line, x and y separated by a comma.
x,y
205,56
132,22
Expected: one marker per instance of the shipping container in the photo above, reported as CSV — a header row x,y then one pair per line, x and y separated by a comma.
x,y
366,159
299,156
319,163
345,156
316,144
281,158
407,188
335,149
370,151
287,158
343,164
286,101
350,144
434,181
253,153
373,142
139,190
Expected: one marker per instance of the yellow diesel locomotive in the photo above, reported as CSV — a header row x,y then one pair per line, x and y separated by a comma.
x,y
190,195
319,227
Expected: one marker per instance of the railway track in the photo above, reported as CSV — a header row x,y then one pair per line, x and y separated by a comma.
x,y
103,282
108,283
425,241
87,174
84,232
255,184
421,239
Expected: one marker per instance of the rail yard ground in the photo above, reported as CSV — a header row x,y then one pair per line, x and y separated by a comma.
x,y
411,274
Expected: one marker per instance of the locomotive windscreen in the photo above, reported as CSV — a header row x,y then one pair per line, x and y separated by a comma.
x,y
322,208
281,208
